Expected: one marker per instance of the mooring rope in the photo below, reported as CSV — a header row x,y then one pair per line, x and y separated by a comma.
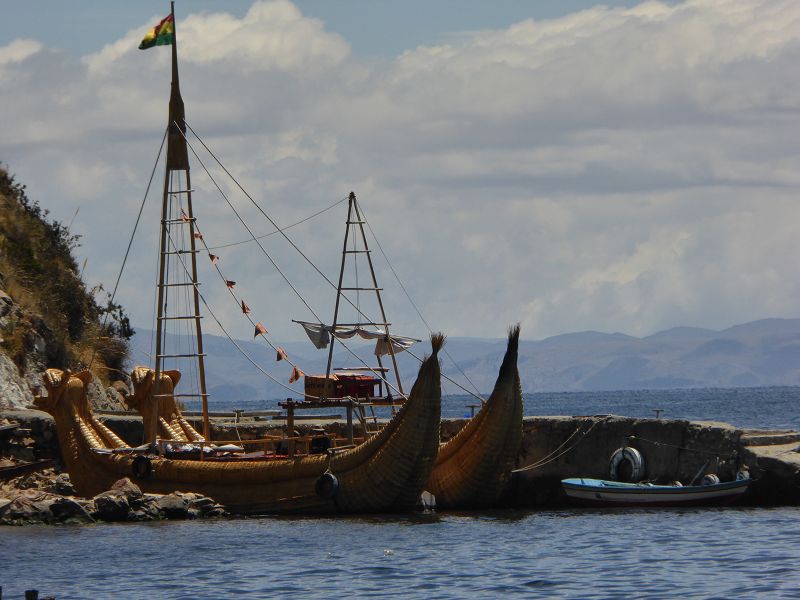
x,y
552,456
706,452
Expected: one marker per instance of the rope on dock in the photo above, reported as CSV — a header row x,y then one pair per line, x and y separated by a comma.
x,y
707,452
554,455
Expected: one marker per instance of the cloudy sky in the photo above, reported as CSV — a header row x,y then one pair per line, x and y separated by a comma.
x,y
627,167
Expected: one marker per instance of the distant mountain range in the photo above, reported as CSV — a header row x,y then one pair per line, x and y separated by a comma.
x,y
759,353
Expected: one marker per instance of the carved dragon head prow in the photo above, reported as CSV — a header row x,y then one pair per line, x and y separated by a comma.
x,y
141,400
65,391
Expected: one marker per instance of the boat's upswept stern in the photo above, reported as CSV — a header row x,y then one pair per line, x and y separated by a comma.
x,y
473,468
390,469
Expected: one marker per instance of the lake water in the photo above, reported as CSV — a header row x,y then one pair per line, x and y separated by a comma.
x,y
580,553
776,407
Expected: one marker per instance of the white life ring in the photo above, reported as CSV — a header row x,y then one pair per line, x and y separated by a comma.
x,y
628,455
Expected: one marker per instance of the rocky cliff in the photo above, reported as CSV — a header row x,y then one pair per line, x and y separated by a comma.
x,y
48,317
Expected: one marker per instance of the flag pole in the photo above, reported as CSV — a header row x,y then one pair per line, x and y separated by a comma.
x,y
177,154
178,160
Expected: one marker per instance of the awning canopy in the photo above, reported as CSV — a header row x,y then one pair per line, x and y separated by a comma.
x,y
320,336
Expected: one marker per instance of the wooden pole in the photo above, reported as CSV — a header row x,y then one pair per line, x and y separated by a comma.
x,y
349,429
378,294
201,368
290,444
351,200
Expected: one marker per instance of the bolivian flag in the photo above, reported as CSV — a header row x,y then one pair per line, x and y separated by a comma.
x,y
162,34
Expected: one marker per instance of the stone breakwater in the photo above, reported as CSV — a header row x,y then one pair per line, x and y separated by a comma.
x,y
554,448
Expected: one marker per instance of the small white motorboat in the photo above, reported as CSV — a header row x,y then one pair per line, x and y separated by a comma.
x,y
599,492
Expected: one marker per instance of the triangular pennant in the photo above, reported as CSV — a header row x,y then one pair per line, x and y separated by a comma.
x,y
281,354
214,258
296,375
260,329
198,235
184,216
230,283
245,308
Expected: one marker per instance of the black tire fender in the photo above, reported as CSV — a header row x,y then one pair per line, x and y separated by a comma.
x,y
327,486
142,468
632,457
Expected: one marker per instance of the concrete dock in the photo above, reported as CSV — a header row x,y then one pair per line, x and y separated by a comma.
x,y
557,447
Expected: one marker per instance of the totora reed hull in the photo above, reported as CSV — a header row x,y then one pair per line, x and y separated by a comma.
x,y
474,467
385,473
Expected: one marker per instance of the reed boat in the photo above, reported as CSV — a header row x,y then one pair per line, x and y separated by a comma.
x,y
474,467
385,473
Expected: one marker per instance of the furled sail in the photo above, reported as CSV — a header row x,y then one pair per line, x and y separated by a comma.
x,y
320,336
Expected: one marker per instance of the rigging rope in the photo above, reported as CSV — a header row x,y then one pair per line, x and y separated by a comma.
x,y
244,224
300,222
310,262
130,241
271,220
411,300
278,229
242,351
389,385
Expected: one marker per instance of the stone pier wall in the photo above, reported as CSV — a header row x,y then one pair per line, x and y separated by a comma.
x,y
555,448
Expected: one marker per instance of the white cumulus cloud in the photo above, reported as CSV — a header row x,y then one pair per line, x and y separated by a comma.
x,y
614,169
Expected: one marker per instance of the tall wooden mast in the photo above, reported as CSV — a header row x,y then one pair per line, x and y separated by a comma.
x,y
356,221
177,169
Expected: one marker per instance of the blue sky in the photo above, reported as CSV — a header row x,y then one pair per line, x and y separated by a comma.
x,y
372,27
618,167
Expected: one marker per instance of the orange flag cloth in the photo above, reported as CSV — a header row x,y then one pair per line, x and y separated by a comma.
x,y
260,329
296,375
281,354
245,308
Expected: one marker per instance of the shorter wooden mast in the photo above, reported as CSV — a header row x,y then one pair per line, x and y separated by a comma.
x,y
354,218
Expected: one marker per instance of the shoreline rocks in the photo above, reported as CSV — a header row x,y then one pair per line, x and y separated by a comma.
x,y
124,502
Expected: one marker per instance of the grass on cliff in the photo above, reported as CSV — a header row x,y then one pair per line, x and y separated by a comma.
x,y
39,272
